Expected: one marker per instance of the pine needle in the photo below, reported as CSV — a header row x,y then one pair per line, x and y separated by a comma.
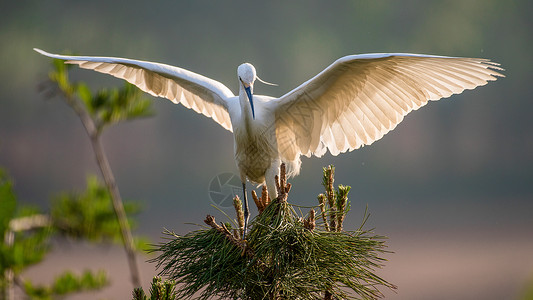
x,y
285,256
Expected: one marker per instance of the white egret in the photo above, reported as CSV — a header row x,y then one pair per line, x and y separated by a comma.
x,y
351,103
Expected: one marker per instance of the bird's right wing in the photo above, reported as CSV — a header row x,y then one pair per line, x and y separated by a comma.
x,y
359,98
202,94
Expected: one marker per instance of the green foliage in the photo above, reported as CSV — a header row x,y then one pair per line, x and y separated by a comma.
x,y
28,247
8,202
283,258
159,290
60,77
67,283
527,294
87,215
110,106
90,214
75,214
106,106
142,243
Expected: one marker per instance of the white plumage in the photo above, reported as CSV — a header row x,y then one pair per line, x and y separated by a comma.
x,y
351,103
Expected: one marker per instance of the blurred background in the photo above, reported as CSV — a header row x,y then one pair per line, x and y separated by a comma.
x,y
451,186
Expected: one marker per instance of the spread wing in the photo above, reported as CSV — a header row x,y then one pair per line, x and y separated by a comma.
x,y
203,95
359,98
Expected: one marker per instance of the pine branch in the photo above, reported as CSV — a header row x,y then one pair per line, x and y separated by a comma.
x,y
285,256
342,201
159,290
237,204
210,220
265,199
310,223
327,182
282,186
322,204
258,202
262,202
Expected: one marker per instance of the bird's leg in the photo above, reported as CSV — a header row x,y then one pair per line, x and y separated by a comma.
x,y
246,211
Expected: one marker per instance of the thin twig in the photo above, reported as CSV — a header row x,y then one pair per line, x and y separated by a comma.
x,y
237,204
94,134
210,220
310,222
29,222
329,173
118,207
265,200
322,205
258,202
282,186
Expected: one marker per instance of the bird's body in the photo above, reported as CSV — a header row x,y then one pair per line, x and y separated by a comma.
x,y
351,103
255,142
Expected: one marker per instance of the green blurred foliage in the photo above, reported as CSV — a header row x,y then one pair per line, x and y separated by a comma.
x,y
89,214
110,106
106,106
67,283
528,290
84,215
8,202
59,75
29,247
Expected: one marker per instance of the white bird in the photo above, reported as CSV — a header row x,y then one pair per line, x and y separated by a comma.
x,y
351,103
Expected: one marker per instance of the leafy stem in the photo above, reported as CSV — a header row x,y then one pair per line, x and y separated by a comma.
x,y
96,111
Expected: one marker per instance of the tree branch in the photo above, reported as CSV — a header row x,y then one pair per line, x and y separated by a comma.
x,y
210,220
118,207
94,134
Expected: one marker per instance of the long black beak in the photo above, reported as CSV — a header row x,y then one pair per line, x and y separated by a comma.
x,y
251,99
248,90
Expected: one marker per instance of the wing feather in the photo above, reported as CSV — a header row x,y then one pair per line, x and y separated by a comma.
x,y
359,98
203,95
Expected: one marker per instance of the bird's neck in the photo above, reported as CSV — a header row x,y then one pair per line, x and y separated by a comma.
x,y
246,110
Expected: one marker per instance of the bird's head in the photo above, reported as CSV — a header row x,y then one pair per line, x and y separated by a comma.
x,y
247,76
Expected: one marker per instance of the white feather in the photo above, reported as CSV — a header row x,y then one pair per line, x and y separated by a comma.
x,y
203,95
359,98
351,103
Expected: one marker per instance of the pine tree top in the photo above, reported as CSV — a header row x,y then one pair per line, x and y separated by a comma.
x,y
285,255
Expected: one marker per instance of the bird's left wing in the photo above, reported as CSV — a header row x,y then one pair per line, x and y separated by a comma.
x,y
359,98
204,95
